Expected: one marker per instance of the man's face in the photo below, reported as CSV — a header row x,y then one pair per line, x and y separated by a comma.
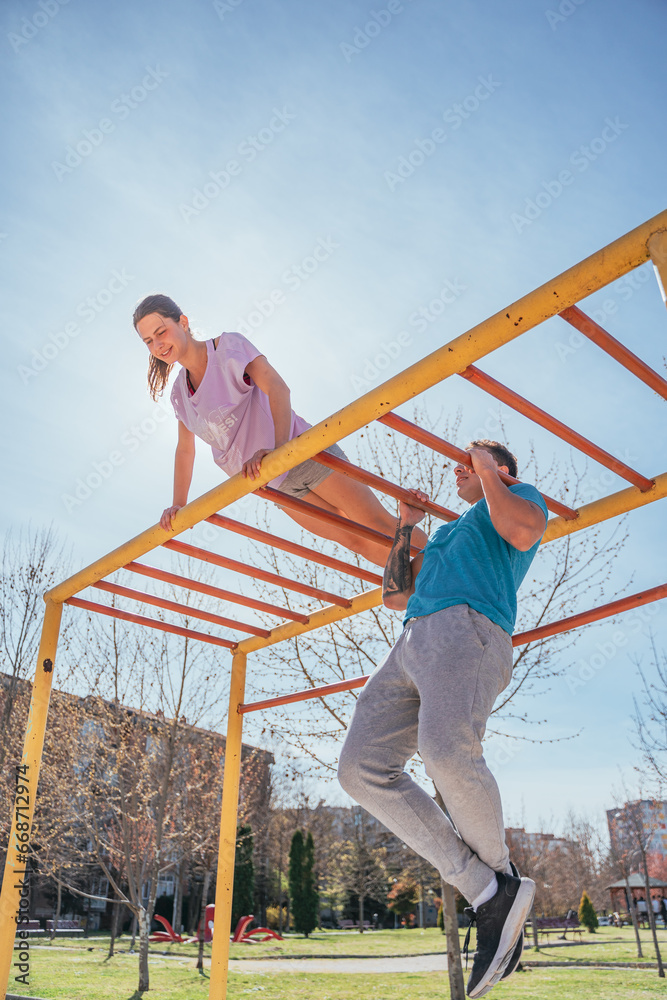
x,y
468,483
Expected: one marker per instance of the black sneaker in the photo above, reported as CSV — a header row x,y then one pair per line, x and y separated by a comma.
x,y
499,925
516,954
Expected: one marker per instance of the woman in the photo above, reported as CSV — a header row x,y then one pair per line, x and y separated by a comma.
x,y
227,394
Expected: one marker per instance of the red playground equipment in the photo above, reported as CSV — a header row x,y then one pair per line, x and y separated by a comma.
x,y
240,935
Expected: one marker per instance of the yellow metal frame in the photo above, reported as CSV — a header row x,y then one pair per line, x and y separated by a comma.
x,y
646,242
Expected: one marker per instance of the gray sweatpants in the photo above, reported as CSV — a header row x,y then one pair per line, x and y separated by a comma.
x,y
433,693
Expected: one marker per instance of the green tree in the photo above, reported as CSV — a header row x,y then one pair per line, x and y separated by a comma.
x,y
295,870
311,897
441,918
244,875
587,915
303,895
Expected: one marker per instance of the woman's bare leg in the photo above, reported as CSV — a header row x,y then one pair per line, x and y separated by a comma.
x,y
359,503
364,508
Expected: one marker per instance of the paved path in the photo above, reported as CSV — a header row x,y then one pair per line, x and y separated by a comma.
x,y
411,963
373,966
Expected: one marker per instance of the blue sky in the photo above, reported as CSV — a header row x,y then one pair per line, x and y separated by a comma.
x,y
206,149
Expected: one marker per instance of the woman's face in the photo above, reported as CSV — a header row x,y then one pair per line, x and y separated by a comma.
x,y
165,338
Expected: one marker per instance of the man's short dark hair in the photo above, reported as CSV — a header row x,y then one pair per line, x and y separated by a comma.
x,y
502,455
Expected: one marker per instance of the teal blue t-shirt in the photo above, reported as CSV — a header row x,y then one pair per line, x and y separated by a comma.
x,y
468,562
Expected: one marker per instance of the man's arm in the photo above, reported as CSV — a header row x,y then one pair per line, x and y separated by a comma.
x,y
401,572
520,522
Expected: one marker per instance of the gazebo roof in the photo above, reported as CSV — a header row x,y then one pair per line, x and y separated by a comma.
x,y
636,881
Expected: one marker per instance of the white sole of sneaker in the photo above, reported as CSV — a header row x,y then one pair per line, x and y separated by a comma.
x,y
508,939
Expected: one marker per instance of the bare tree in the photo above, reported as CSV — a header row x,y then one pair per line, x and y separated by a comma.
x,y
623,859
360,866
280,834
651,716
636,825
562,866
31,563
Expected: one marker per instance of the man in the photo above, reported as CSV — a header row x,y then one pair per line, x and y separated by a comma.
x,y
435,690
655,903
642,912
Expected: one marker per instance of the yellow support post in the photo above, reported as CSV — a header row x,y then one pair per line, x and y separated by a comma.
x,y
228,825
15,878
657,246
606,507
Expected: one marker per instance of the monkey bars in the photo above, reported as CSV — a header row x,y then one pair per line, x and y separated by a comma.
x,y
519,639
557,297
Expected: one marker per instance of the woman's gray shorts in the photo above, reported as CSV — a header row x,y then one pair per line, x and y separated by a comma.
x,y
303,478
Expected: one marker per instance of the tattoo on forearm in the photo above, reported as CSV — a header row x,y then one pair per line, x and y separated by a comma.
x,y
398,571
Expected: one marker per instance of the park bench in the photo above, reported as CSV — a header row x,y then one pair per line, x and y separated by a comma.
x,y
64,927
32,926
557,925
350,925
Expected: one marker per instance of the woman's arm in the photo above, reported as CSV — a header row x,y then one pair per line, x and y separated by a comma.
x,y
269,381
183,466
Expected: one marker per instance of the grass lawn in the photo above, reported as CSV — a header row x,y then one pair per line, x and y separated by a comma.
x,y
75,973
84,975
607,945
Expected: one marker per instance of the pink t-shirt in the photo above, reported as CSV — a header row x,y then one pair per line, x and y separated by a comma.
x,y
234,417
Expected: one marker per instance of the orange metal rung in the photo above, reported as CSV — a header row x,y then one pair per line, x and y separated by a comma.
x,y
584,324
382,485
539,416
432,441
310,510
520,639
255,573
594,615
223,595
316,692
181,609
296,550
126,616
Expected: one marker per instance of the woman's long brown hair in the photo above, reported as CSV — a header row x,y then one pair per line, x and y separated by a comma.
x,y
158,371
